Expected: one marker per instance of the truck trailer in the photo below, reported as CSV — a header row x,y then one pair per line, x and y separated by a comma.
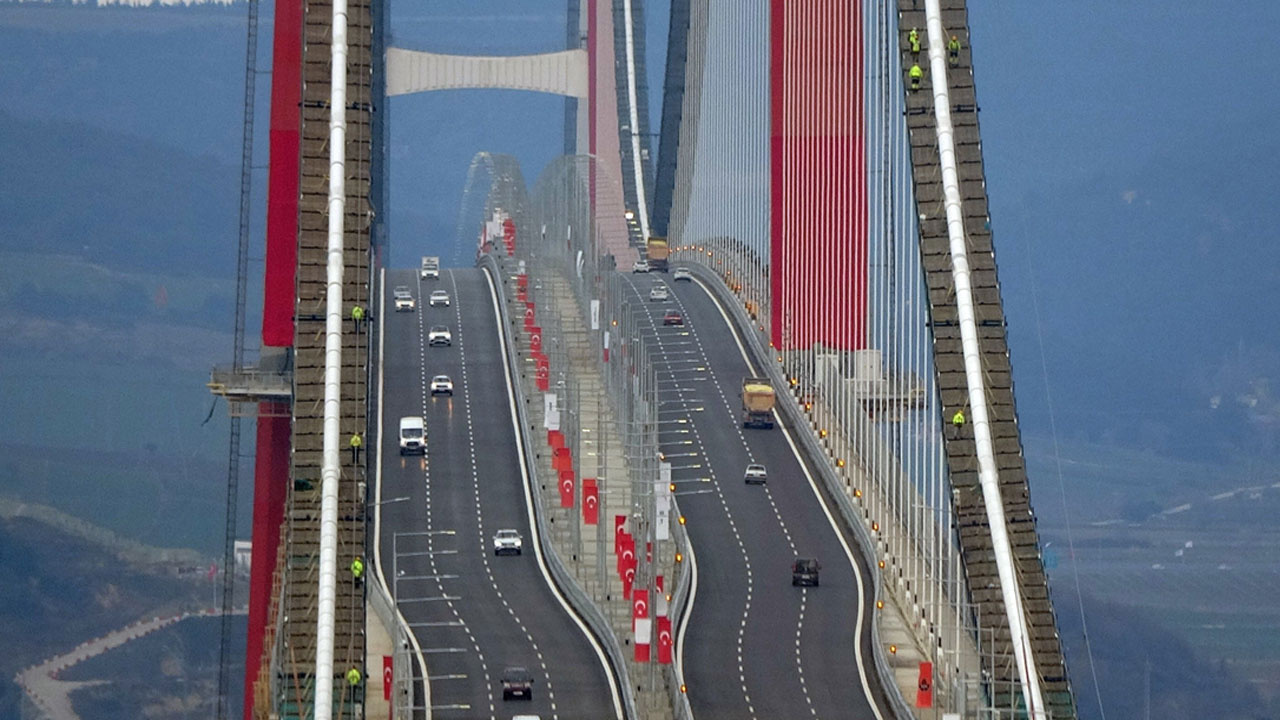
x,y
430,267
657,252
757,403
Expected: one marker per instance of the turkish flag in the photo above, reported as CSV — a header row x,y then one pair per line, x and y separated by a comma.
x,y
543,374
590,502
626,552
562,459
528,315
509,230
535,339
522,295
619,529
628,577
388,678
522,282
665,640
924,695
639,604
566,488
555,439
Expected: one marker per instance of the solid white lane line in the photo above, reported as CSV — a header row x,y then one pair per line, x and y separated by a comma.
x,y
728,514
528,500
848,552
475,484
377,484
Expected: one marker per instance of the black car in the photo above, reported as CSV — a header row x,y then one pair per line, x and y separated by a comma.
x,y
517,682
804,571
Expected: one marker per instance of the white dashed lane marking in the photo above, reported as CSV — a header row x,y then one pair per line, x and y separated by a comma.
x,y
735,423
724,504
435,569
460,339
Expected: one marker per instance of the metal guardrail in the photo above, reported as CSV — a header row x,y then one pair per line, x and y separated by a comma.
x,y
402,682
573,592
674,673
831,484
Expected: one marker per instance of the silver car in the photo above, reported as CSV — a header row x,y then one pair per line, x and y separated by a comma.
x,y
439,298
439,335
441,385
507,541
403,299
755,475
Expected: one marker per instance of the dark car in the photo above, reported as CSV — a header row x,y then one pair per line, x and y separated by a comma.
x,y
804,571
673,317
517,682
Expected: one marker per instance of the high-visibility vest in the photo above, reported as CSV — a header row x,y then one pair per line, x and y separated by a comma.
x,y
357,567
958,418
916,72
356,441
353,676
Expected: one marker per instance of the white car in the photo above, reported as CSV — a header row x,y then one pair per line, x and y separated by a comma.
x,y
755,475
441,385
682,274
439,335
659,293
439,298
403,299
413,436
641,265
507,541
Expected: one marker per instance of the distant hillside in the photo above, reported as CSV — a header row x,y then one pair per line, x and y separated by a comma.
x,y
1127,646
116,200
60,590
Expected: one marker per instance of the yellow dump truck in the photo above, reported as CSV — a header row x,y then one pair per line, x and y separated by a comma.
x,y
757,403
657,252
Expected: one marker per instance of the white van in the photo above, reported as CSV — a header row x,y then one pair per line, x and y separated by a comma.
x,y
413,436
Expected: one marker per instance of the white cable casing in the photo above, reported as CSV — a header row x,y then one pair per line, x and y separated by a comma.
x,y
987,474
634,112
330,468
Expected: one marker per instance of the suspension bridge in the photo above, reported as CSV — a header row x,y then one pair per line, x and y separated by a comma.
x,y
813,217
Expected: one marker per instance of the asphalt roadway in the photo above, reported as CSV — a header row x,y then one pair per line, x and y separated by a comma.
x,y
473,613
755,646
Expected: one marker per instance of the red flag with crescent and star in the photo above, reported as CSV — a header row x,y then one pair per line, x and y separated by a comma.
x,y
566,488
924,696
590,501
619,529
665,640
